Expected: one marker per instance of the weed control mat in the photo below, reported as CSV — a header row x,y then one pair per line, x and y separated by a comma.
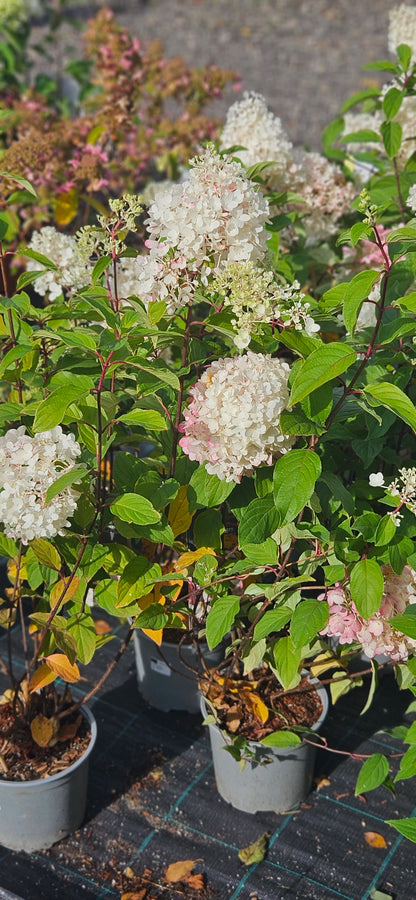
x,y
153,802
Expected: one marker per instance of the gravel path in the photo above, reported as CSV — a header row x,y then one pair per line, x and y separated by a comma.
x,y
304,56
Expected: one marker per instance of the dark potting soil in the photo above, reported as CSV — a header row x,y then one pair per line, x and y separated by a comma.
x,y
239,712
21,759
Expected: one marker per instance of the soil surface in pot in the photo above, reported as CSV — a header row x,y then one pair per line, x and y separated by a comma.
x,y
256,709
21,759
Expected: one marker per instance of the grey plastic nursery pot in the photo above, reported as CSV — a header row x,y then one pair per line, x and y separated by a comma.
x,y
36,814
164,680
276,781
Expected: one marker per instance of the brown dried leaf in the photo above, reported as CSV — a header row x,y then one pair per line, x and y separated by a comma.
x,y
233,719
196,882
102,627
135,895
68,730
375,839
44,730
178,871
322,782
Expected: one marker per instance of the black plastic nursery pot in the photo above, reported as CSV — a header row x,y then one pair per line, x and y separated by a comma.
x,y
36,814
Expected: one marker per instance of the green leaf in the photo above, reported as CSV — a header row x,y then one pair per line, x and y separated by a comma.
x,y
220,619
258,522
100,266
392,102
46,554
136,509
385,532
51,411
391,133
65,641
272,620
407,765
406,827
294,479
406,623
264,554
23,182
405,55
82,628
357,291
137,579
281,739
207,490
208,529
393,398
287,659
373,772
64,481
204,570
362,135
8,547
294,421
366,587
323,365
308,620
153,617
255,852
149,419
338,491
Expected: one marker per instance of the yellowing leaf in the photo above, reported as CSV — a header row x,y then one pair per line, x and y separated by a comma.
x,y
59,587
179,516
60,664
66,207
41,678
177,871
256,851
323,662
44,730
12,571
256,705
375,839
189,558
154,597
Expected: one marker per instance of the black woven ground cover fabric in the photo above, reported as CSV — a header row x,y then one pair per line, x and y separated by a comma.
x,y
153,801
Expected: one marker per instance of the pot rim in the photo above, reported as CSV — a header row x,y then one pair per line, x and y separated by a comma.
x,y
319,687
49,779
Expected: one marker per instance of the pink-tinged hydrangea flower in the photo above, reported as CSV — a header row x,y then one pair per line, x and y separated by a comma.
x,y
28,467
73,268
250,124
232,423
196,227
325,191
376,635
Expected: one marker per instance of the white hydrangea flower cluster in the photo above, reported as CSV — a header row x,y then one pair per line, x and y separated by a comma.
x,y
73,266
197,227
362,121
255,296
403,487
232,423
14,13
411,200
28,467
325,191
402,28
250,124
376,635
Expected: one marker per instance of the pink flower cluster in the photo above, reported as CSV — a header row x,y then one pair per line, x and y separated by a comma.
x,y
376,635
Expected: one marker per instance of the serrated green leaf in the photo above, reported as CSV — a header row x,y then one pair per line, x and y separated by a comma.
x,y
272,620
406,827
391,133
220,619
287,660
323,365
149,419
366,587
64,481
393,398
357,291
281,739
82,628
308,619
373,773
51,411
46,554
207,490
294,479
406,623
258,522
136,509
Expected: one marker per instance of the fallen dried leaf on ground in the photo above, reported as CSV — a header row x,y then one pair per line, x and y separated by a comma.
x,y
375,839
256,851
179,871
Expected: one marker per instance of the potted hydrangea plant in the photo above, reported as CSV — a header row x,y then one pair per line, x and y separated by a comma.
x,y
242,394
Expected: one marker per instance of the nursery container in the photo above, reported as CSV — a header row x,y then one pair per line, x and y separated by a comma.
x,y
164,680
35,814
277,780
